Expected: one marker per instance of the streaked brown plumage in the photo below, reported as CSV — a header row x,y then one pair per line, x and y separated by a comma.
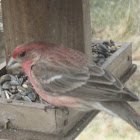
x,y
64,77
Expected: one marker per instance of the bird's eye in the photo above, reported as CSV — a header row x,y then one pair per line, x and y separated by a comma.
x,y
22,54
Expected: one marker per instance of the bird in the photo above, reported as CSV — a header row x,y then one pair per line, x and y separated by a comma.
x,y
64,77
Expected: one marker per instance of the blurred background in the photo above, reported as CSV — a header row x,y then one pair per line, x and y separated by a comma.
x,y
118,20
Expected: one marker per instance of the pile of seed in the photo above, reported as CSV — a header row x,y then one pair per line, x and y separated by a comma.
x,y
18,87
101,51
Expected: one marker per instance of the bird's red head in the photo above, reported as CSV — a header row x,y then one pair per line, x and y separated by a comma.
x,y
28,47
26,54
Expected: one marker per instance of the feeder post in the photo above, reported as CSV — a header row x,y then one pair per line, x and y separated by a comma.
x,y
63,22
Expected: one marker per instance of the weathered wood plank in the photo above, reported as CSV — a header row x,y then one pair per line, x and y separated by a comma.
x,y
80,125
124,78
121,61
27,116
14,134
64,22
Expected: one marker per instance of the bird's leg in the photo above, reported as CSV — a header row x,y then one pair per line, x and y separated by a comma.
x,y
49,106
65,109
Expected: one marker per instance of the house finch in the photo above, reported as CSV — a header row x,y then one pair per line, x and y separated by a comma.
x,y
64,77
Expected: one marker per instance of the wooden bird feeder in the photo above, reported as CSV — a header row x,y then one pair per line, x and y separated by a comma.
x,y
65,22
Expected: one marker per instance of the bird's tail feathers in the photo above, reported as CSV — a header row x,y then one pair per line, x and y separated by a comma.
x,y
122,110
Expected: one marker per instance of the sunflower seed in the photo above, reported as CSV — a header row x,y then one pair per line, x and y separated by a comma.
x,y
20,88
17,97
25,85
26,98
101,56
112,43
18,74
13,78
32,96
9,93
13,91
20,81
6,94
23,93
13,87
95,57
5,78
103,47
13,96
6,85
14,83
100,62
107,43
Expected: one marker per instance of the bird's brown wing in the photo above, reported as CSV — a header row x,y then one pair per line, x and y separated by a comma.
x,y
90,84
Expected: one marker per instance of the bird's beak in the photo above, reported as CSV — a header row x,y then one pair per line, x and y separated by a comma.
x,y
13,64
